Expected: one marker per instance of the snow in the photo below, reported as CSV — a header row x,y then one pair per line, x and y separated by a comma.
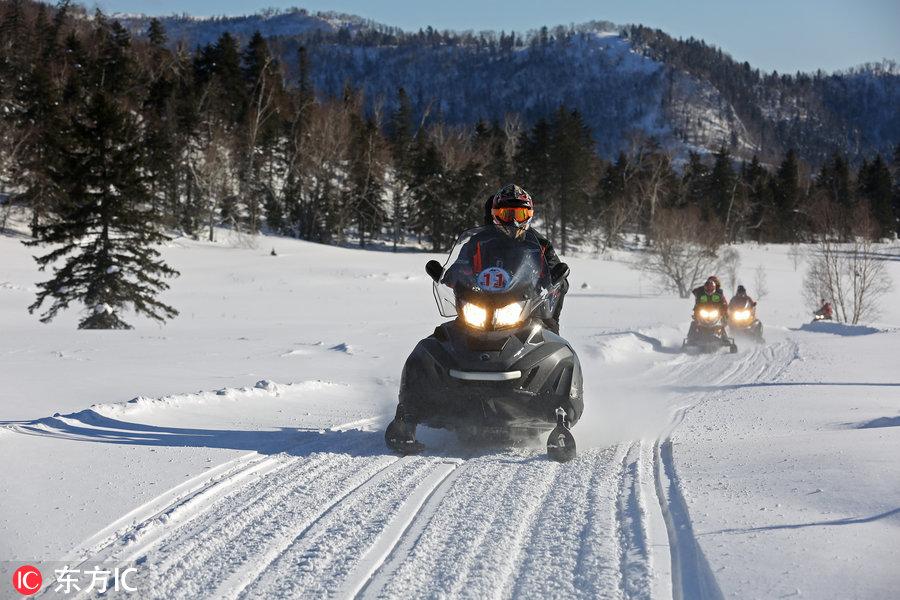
x,y
238,450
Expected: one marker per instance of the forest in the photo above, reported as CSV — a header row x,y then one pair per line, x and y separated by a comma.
x,y
112,143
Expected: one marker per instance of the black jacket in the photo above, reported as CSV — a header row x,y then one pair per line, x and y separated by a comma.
x,y
549,253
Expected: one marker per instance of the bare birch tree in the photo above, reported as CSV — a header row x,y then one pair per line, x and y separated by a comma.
x,y
685,249
849,274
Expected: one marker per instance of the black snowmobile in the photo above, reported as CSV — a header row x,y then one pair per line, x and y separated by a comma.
x,y
494,373
707,331
742,321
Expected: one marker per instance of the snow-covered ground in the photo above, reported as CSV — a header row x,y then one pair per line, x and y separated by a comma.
x,y
238,451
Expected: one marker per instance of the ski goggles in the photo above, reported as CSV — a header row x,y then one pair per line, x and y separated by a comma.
x,y
510,214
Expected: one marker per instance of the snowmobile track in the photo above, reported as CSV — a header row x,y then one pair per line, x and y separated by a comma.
x,y
336,516
691,576
384,559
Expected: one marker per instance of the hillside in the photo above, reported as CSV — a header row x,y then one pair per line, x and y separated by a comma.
x,y
624,80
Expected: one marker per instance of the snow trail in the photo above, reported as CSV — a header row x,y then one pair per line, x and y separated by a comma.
x,y
337,516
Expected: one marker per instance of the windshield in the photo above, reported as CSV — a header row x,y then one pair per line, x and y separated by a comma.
x,y
491,269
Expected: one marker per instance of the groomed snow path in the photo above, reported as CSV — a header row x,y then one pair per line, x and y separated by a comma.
x,y
335,515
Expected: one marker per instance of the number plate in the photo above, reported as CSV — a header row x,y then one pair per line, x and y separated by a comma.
x,y
494,279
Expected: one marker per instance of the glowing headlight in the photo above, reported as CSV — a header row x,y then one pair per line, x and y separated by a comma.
x,y
474,315
509,315
709,314
741,315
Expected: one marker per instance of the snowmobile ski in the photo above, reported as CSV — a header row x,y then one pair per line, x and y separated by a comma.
x,y
401,440
561,443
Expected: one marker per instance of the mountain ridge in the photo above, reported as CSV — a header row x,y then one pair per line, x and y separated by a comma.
x,y
692,96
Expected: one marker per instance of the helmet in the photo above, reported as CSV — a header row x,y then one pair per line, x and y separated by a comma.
x,y
712,281
512,210
741,290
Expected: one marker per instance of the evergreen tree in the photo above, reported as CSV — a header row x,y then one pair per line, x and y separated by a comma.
x,y
260,126
366,187
786,196
834,180
106,230
762,204
305,92
896,169
161,143
400,139
533,166
156,33
722,188
572,153
695,185
429,210
875,185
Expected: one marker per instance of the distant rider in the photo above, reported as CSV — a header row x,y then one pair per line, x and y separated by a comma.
x,y
741,299
826,311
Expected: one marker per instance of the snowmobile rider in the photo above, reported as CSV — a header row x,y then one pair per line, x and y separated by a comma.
x,y
708,293
711,293
826,311
741,299
511,210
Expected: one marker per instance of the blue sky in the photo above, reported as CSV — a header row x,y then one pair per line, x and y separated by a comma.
x,y
784,35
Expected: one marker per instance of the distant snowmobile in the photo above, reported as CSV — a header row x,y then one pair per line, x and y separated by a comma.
x,y
825,313
707,331
742,321
494,372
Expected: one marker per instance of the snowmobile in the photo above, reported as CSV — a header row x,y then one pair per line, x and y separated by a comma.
x,y
495,372
821,315
707,331
742,321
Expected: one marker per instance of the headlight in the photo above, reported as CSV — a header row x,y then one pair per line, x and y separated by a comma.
x,y
741,315
474,315
509,315
709,314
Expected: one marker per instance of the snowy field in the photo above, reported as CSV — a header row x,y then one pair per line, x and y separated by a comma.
x,y
238,451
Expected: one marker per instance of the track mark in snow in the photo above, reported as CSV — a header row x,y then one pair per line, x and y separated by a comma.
x,y
631,515
286,517
120,529
692,578
418,508
209,532
327,551
690,571
376,580
473,533
571,550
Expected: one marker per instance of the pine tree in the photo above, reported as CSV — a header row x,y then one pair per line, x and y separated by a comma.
x,y
160,134
834,180
400,139
757,181
896,169
260,124
571,156
107,229
695,185
786,195
875,185
428,208
366,187
721,188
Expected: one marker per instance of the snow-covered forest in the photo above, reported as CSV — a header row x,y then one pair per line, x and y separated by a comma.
x,y
123,136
